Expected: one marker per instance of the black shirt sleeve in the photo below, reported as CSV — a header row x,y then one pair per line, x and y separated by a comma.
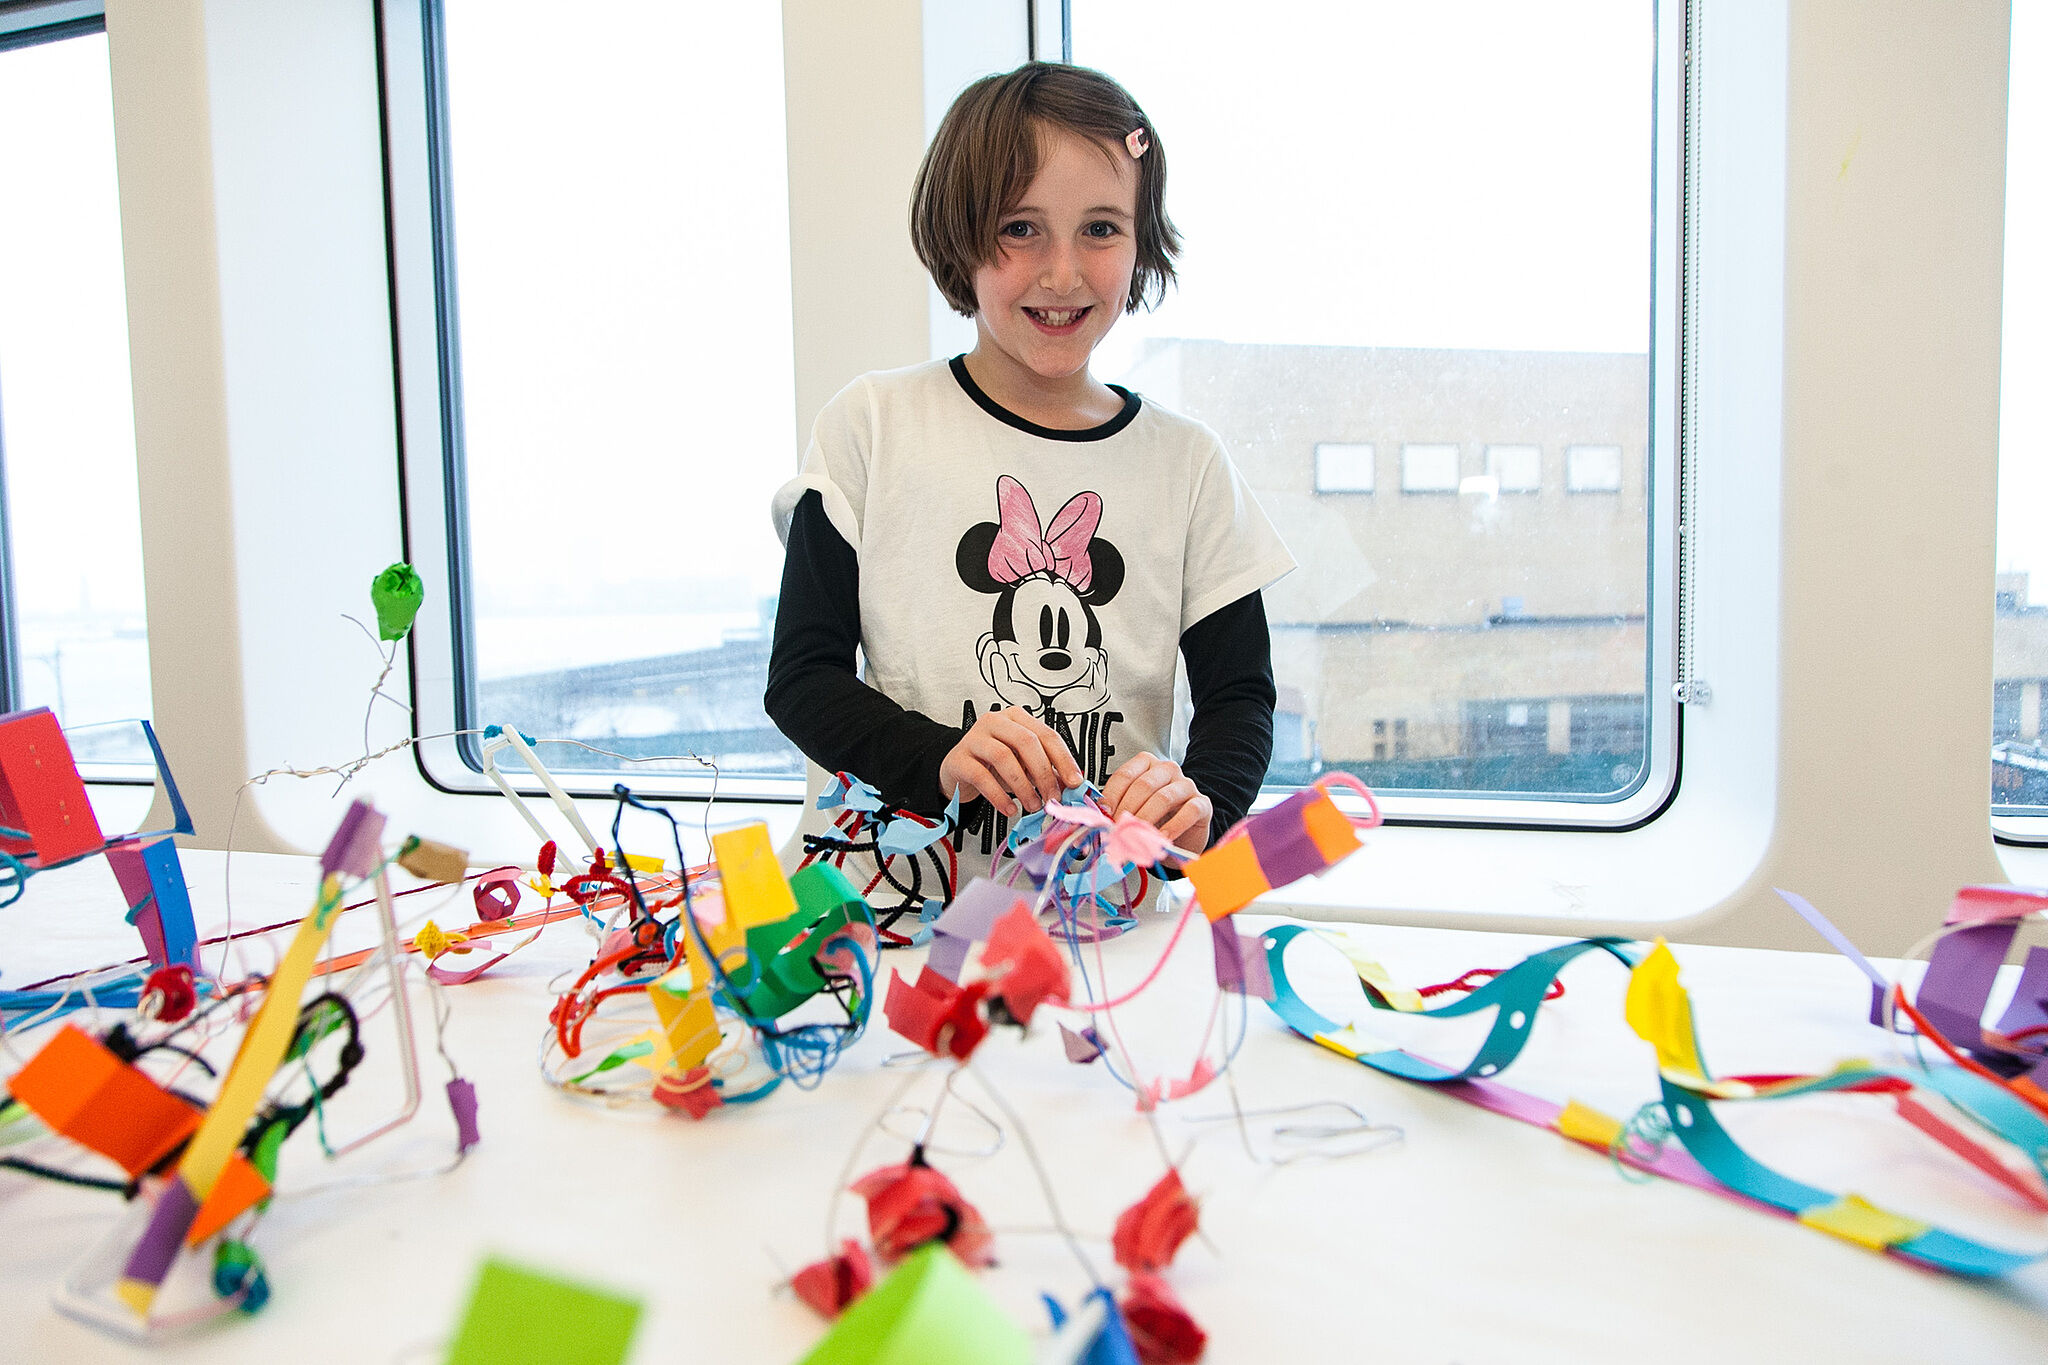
x,y
1229,655
814,695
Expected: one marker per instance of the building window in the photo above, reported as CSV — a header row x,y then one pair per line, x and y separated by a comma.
x,y
1429,469
1343,468
1592,469
71,602
1515,469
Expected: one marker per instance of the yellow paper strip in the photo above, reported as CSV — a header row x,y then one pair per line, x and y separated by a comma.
x,y
756,892
1855,1219
263,1047
1402,998
640,862
1349,1041
1660,1012
1583,1123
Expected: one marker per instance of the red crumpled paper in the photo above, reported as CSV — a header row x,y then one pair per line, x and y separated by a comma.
x,y
1160,1328
831,1284
911,1204
692,1093
1024,965
1149,1232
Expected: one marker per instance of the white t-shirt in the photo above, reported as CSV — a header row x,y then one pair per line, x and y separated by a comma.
x,y
1003,563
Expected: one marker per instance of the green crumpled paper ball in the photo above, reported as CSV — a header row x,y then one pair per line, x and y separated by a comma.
x,y
397,594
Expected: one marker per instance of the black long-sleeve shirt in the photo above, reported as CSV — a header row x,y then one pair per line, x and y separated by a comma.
x,y
818,700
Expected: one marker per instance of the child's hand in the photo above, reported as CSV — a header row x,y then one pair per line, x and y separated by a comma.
x,y
1156,791
1013,760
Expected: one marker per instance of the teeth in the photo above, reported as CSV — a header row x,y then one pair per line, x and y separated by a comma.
x,y
1057,317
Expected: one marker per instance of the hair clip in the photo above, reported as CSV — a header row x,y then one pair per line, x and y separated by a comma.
x,y
1136,141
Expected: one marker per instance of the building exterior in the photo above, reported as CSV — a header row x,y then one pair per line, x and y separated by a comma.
x,y
1473,533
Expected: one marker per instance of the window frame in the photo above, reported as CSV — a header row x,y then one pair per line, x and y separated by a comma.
x,y
425,298
25,24
441,648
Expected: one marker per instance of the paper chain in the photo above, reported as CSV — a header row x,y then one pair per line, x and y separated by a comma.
x,y
1717,1162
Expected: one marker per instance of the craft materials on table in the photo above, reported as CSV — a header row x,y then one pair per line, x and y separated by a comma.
x,y
710,986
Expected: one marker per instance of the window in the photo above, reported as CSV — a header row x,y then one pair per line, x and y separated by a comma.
x,y
1515,469
1592,469
2019,749
1343,468
72,607
1429,469
604,256
1411,315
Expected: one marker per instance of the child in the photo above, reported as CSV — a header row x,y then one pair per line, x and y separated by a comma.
x,y
1011,542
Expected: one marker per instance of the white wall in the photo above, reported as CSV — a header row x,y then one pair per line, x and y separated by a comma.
x,y
1850,322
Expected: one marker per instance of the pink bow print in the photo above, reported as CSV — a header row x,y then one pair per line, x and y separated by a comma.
x,y
1061,549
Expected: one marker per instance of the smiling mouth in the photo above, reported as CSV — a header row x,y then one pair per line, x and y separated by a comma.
x,y
1058,319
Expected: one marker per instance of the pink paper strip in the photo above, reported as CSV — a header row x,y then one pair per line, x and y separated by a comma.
x,y
1945,1133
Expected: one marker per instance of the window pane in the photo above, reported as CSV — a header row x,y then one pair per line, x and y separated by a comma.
x,y
1429,469
621,254
1343,468
1371,258
1515,469
67,426
2019,750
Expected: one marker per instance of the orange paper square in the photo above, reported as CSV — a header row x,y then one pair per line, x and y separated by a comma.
x,y
1336,838
240,1186
1227,878
98,1101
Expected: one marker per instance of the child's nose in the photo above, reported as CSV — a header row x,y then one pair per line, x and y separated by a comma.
x,y
1062,274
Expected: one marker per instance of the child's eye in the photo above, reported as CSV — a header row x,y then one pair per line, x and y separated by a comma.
x,y
1016,231
1101,228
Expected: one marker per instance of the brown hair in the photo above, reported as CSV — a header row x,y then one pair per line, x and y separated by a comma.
x,y
987,151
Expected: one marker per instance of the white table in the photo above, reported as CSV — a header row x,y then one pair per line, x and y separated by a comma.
x,y
1475,1239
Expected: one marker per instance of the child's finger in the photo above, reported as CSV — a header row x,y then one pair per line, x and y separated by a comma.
x,y
1021,736
1113,790
1165,801
1145,787
1047,755
976,777
1191,819
1063,764
1001,760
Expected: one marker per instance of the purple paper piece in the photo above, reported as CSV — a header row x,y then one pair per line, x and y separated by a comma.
x,y
1958,981
1083,1047
1229,955
1036,860
1258,972
948,955
355,848
2029,1007
976,909
1240,961
1280,838
168,1224
462,1099
1839,941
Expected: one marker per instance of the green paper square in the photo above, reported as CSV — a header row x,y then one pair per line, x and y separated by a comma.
x,y
519,1316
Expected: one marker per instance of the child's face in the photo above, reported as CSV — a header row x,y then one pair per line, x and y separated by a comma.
x,y
1063,270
